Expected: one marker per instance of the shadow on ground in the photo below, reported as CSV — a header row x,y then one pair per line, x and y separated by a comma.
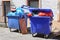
x,y
51,36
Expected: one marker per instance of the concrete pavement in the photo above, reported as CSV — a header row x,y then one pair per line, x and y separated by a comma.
x,y
5,34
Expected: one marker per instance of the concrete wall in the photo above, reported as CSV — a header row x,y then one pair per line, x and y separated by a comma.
x,y
0,7
18,3
52,4
1,17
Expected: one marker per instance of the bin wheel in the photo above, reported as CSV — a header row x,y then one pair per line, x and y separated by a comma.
x,y
19,31
10,29
46,36
34,35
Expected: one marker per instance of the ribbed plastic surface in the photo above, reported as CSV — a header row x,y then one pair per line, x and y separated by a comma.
x,y
13,22
40,25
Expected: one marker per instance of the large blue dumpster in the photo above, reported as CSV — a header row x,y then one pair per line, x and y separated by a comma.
x,y
40,25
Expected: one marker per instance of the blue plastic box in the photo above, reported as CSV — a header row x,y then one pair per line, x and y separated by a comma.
x,y
40,25
14,18
13,22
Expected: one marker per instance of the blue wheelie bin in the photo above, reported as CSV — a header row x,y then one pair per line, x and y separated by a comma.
x,y
40,24
13,20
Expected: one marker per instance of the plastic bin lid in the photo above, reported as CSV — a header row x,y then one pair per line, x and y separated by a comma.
x,y
39,17
19,12
40,10
11,14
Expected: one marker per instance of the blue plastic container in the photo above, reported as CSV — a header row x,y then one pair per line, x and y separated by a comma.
x,y
40,25
37,10
14,18
13,22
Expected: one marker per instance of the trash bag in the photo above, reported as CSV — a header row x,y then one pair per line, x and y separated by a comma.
x,y
20,12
